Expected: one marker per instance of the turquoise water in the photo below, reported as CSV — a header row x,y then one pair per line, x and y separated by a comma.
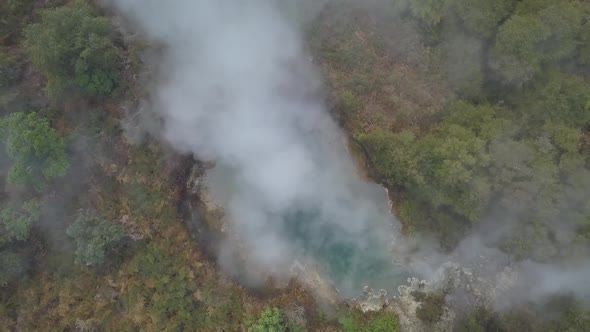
x,y
352,260
350,245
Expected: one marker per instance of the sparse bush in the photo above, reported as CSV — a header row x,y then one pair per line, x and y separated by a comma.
x,y
382,321
73,47
95,237
10,69
350,102
432,307
167,291
13,13
362,84
37,150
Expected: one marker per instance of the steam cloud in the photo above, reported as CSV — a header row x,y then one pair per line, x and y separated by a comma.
x,y
240,90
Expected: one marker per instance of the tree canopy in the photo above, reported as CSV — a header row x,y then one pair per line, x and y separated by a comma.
x,y
95,237
271,320
18,222
36,148
73,47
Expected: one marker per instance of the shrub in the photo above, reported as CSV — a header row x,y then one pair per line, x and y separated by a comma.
x,y
381,321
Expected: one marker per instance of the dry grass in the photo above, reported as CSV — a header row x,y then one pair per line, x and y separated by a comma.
x,y
371,84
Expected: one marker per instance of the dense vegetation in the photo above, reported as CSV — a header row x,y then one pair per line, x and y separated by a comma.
x,y
476,115
473,112
571,317
512,135
90,234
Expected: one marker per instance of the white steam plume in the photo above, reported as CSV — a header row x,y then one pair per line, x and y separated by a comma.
x,y
240,91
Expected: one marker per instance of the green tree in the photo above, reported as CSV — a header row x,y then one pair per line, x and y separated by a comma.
x,y
451,160
564,138
18,222
95,237
271,320
557,98
564,21
515,53
36,148
73,47
393,155
445,170
537,34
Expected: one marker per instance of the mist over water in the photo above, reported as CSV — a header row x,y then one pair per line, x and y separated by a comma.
x,y
351,259
238,89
